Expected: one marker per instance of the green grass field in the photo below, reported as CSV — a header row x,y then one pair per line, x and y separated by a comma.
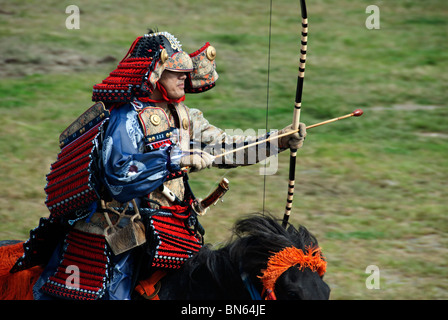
x,y
373,189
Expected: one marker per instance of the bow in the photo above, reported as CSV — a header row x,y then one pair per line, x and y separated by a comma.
x,y
297,109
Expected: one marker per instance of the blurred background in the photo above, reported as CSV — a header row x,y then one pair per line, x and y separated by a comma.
x,y
373,190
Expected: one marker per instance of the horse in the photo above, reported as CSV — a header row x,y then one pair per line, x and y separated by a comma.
x,y
237,269
220,273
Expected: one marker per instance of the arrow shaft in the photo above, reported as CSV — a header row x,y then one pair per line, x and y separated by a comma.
x,y
284,135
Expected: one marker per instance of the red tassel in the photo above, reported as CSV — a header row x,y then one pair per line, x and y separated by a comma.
x,y
19,285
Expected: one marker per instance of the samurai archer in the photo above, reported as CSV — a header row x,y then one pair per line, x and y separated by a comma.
x,y
119,199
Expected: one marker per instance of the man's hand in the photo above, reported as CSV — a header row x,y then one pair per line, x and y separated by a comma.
x,y
295,140
197,160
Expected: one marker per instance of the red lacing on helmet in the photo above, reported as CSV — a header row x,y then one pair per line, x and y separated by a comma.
x,y
194,54
129,72
131,48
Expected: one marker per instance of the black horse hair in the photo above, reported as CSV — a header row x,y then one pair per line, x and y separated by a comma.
x,y
255,238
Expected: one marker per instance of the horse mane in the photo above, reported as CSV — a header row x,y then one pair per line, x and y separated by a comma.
x,y
255,238
260,236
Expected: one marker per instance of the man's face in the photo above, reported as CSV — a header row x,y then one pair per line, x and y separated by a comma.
x,y
174,83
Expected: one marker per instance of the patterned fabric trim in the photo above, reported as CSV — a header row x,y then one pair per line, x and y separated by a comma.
x,y
90,118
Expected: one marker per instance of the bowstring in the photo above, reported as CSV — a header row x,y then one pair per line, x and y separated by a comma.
x,y
267,101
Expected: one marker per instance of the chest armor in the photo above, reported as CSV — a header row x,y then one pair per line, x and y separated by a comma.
x,y
159,126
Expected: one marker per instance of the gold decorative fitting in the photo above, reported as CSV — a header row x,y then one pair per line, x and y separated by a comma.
x,y
155,119
185,124
211,53
164,56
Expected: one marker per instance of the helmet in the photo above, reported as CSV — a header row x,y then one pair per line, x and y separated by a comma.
x,y
139,71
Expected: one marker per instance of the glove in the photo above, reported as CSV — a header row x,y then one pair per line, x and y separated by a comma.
x,y
293,141
197,160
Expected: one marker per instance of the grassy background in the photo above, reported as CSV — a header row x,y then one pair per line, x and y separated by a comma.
x,y
372,189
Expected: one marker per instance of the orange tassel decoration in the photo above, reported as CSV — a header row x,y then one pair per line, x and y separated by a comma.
x,y
19,285
289,257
